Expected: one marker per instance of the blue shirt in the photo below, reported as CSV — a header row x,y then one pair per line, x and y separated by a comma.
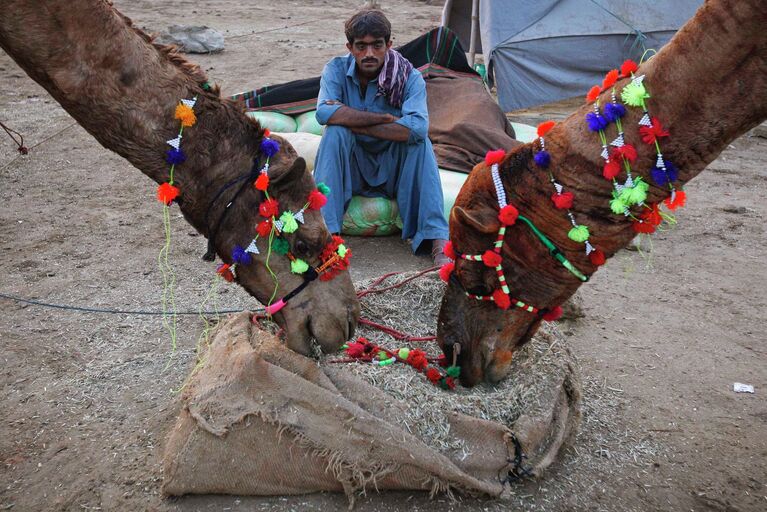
x,y
339,82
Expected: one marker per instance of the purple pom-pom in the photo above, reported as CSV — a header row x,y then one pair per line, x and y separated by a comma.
x,y
240,256
614,111
269,147
659,176
596,122
175,156
671,171
542,159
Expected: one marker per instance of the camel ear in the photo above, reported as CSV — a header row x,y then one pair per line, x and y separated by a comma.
x,y
291,176
484,220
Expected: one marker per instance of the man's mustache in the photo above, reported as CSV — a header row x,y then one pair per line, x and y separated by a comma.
x,y
369,59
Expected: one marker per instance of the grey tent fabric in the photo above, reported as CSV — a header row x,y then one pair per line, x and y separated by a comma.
x,y
543,51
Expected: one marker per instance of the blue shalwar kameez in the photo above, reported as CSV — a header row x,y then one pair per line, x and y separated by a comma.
x,y
352,164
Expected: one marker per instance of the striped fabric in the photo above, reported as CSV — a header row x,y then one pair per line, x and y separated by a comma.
x,y
393,77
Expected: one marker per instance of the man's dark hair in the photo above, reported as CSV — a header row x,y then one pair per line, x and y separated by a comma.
x,y
367,22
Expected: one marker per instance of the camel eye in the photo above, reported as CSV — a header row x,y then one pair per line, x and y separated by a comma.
x,y
481,289
301,248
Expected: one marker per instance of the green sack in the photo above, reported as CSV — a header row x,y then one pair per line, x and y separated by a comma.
x,y
274,121
307,122
371,216
524,132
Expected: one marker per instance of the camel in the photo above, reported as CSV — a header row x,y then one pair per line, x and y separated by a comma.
x,y
707,87
124,90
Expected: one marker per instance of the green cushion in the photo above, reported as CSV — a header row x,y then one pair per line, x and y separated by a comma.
x,y
274,121
307,122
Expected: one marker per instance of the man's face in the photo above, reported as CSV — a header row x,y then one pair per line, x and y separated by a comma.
x,y
369,53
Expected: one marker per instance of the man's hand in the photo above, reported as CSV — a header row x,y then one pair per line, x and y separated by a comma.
x,y
353,118
386,131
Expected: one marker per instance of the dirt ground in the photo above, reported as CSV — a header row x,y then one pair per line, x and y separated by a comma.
x,y
87,398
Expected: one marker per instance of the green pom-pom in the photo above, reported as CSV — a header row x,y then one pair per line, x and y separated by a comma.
x,y
280,246
323,188
382,355
638,193
289,223
403,353
206,86
617,206
453,371
579,233
341,250
634,94
298,266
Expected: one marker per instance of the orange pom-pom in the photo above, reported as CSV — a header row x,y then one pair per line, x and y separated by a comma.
x,y
680,198
167,193
185,114
491,258
593,94
448,250
612,169
597,257
610,78
628,67
553,314
508,215
544,127
501,299
262,183
446,270
494,157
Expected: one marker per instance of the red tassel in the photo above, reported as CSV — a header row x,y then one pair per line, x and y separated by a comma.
x,y
446,270
679,200
355,350
501,299
626,151
225,271
494,157
449,251
167,193
651,133
628,67
491,258
417,359
544,127
316,200
433,375
643,227
553,314
264,228
269,208
593,94
610,78
652,215
563,201
508,215
262,182
597,257
612,169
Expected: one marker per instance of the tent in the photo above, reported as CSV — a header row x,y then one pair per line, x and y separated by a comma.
x,y
543,51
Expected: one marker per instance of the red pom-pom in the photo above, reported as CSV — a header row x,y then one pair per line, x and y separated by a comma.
x,y
445,271
651,133
544,128
501,299
450,382
612,169
316,200
680,198
494,157
553,314
417,359
491,258
225,271
267,133
610,78
166,193
628,67
563,201
652,215
597,257
508,215
262,182
264,228
355,349
448,250
433,375
641,226
442,360
593,93
269,208
626,151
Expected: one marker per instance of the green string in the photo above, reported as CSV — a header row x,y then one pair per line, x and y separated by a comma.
x,y
169,317
553,250
271,272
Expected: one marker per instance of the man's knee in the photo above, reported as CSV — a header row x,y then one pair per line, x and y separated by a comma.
x,y
340,135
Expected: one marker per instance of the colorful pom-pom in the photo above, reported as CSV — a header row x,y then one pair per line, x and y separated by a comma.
x,y
280,246
542,159
638,193
403,353
578,233
614,111
433,375
652,133
652,215
508,215
262,182
626,151
612,169
596,122
175,156
628,67
501,299
593,94
617,206
240,256
659,176
491,258
269,147
323,188
448,383
679,200
167,193
610,78
446,270
289,223
417,359
185,114
553,314
264,228
267,132
453,371
225,271
298,266
342,250
634,94
544,127
563,201
269,208
597,257
355,350
494,157
316,200
448,250
641,226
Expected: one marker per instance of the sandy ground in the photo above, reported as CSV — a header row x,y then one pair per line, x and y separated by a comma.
x,y
87,398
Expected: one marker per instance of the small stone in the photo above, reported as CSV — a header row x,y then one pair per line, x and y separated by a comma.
x,y
193,39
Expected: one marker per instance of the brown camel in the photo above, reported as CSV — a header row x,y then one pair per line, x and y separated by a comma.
x,y
124,90
707,86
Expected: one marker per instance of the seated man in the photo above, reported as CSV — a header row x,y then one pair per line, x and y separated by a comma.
x,y
376,144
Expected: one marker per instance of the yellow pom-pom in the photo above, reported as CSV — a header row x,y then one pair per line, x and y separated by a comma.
x,y
186,115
